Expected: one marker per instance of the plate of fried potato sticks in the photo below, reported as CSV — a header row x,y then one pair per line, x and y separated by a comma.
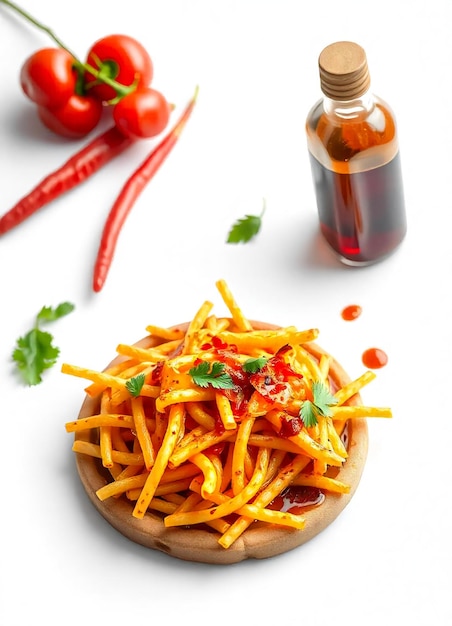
x,y
222,438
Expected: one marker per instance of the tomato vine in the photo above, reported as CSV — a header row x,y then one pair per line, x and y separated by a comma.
x,y
71,95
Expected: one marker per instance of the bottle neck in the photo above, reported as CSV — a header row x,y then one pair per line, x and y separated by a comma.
x,y
350,109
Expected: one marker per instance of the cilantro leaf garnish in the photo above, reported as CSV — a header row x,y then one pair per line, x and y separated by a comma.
x,y
308,414
245,228
134,385
205,374
320,405
35,352
253,365
48,314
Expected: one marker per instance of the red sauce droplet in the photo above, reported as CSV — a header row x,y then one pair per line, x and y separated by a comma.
x,y
297,500
351,312
374,358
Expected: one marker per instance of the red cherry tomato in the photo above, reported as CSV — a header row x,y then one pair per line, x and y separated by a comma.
x,y
77,117
121,58
48,77
142,113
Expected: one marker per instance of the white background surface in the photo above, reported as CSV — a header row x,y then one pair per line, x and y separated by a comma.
x,y
387,558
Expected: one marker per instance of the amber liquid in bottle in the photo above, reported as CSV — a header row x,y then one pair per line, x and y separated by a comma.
x,y
357,177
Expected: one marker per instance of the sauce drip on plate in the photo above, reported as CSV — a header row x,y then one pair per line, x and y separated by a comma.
x,y
298,499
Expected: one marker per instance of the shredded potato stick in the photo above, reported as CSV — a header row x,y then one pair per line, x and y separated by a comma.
x,y
105,440
196,324
95,421
227,467
276,517
236,312
120,370
175,418
277,486
256,512
216,325
324,368
129,471
127,481
179,473
200,415
321,466
349,412
170,334
201,443
98,377
225,411
194,502
239,455
132,366
311,367
335,439
115,470
354,387
162,490
208,469
157,504
119,443
221,447
147,355
119,396
218,466
306,443
231,505
142,432
267,339
92,449
190,438
322,482
183,395
121,485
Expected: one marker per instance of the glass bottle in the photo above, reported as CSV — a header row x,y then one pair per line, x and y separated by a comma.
x,y
355,161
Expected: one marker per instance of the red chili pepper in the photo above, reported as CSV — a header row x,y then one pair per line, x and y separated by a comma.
x,y
130,192
77,169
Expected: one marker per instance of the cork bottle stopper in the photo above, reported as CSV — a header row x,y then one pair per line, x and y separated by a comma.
x,y
344,74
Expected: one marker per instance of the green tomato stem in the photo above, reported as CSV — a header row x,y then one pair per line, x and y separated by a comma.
x,y
39,25
121,90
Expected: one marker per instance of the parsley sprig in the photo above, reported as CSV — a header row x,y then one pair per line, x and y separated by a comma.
x,y
253,365
35,351
135,385
320,405
245,228
211,374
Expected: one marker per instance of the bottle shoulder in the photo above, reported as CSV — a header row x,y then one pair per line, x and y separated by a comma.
x,y
358,136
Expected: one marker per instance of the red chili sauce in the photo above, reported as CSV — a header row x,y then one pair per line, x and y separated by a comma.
x,y
297,499
374,358
351,312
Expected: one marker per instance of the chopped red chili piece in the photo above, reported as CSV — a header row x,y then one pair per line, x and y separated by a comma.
x,y
291,426
219,343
